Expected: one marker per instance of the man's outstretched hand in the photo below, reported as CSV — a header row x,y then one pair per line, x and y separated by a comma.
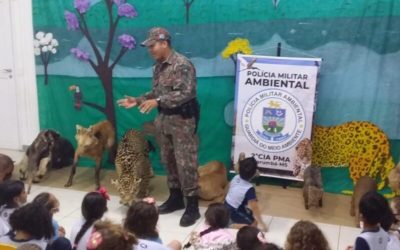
x,y
148,105
127,102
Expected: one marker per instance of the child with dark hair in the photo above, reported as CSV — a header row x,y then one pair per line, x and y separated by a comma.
x,y
109,236
94,205
251,238
373,210
51,203
141,220
241,199
387,221
29,224
214,234
12,196
305,235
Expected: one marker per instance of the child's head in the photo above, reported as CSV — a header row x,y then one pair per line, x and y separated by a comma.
x,y
217,215
387,215
248,238
247,168
108,236
49,201
305,235
372,206
141,219
94,205
33,219
12,193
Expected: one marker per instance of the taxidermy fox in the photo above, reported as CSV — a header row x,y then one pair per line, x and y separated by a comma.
x,y
92,143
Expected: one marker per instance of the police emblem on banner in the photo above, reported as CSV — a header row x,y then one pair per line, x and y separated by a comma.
x,y
273,120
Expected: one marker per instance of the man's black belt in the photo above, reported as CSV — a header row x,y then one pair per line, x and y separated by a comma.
x,y
190,109
187,110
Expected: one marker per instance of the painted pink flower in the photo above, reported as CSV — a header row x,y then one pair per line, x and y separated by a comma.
x,y
72,20
127,10
127,41
82,5
80,54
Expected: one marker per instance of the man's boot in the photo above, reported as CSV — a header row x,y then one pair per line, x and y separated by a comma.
x,y
173,203
191,213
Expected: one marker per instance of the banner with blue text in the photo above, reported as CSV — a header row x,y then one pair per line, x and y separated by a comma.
x,y
274,107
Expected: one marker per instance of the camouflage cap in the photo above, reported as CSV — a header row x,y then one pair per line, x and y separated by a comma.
x,y
156,34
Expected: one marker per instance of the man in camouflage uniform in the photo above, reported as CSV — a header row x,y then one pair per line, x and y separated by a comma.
x,y
174,95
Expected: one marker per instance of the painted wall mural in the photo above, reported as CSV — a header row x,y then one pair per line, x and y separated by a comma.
x,y
359,42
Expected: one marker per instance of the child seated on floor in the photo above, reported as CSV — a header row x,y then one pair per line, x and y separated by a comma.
x,y
94,205
29,224
12,196
387,221
251,238
214,235
109,236
141,220
241,199
306,235
372,210
51,203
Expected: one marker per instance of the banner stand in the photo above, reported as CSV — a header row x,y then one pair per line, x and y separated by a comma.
x,y
274,108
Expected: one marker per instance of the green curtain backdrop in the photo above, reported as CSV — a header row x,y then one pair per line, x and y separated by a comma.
x,y
358,40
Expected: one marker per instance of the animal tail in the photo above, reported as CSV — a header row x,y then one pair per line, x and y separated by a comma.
x,y
347,192
390,196
389,165
110,141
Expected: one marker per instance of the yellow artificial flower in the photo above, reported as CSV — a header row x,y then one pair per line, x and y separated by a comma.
x,y
238,45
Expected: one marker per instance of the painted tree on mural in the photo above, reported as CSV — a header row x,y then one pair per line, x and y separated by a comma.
x,y
236,46
45,46
188,4
102,63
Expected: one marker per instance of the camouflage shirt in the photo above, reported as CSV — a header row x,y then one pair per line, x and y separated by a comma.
x,y
174,81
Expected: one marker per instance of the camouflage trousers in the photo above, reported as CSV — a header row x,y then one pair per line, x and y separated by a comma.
x,y
179,151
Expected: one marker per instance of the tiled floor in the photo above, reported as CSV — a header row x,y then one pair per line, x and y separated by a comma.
x,y
338,236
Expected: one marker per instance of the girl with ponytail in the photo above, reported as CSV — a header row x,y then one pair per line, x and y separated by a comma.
x,y
94,205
